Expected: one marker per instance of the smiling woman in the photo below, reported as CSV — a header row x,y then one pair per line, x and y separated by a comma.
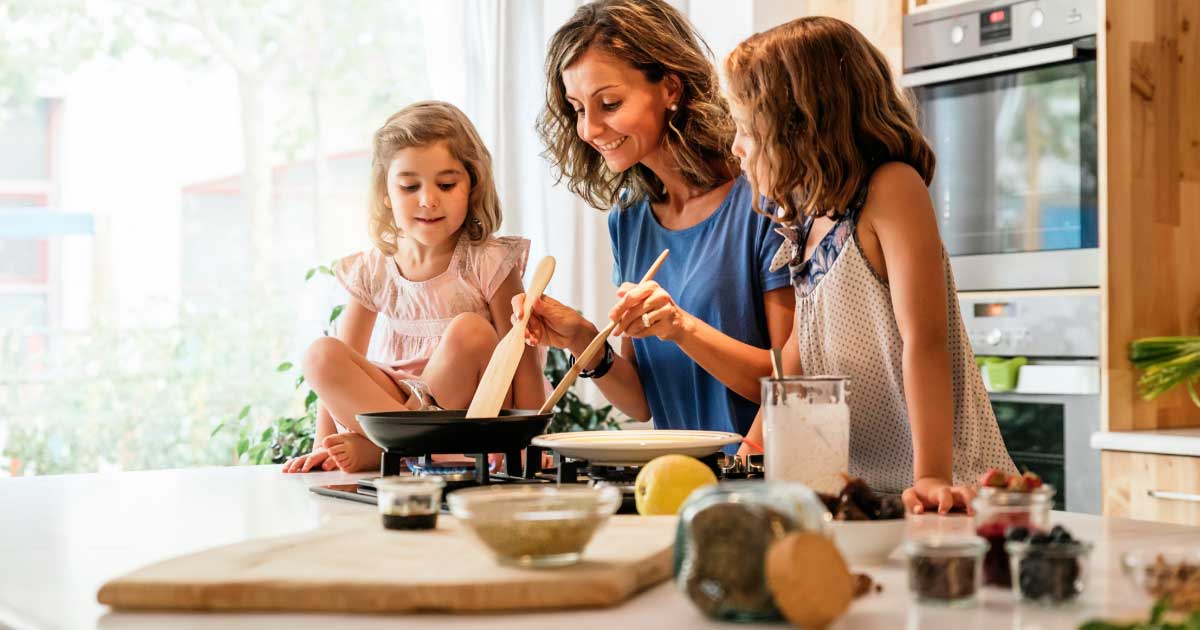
x,y
633,121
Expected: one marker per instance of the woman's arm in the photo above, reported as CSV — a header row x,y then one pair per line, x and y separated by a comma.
x,y
905,228
528,389
791,367
735,364
559,326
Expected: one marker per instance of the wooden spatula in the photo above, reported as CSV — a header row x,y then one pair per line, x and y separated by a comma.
x,y
498,376
589,353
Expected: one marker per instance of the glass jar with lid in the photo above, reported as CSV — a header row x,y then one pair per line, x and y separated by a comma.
x,y
724,533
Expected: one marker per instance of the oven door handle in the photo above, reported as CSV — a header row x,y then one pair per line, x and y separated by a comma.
x,y
1173,496
992,65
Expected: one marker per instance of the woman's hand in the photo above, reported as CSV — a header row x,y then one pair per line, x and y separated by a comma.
x,y
932,492
318,459
552,323
647,310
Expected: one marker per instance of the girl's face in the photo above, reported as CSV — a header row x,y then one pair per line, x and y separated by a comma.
x,y
428,192
617,110
744,146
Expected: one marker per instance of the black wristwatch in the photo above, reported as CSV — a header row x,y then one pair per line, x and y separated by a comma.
x,y
600,370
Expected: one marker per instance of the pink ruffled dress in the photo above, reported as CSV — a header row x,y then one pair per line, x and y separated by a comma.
x,y
418,312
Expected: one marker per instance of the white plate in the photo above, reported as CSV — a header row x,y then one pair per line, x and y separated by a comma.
x,y
633,448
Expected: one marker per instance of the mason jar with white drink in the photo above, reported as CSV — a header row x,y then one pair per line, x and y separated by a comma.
x,y
806,430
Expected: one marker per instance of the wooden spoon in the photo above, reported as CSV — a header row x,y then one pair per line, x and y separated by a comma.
x,y
597,342
498,376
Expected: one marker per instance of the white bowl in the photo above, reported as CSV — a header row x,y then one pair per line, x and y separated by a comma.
x,y
868,542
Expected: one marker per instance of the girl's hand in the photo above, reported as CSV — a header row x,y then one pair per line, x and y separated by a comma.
x,y
931,492
647,310
552,323
318,459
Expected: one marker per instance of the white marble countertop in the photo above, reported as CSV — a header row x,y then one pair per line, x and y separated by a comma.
x,y
1163,441
61,537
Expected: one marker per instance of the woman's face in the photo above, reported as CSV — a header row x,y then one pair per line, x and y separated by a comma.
x,y
617,110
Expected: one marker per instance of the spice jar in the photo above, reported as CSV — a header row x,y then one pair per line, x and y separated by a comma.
x,y
409,502
724,533
998,510
806,430
945,570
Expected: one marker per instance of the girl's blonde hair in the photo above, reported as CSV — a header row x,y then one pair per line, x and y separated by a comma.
x,y
824,113
654,38
422,124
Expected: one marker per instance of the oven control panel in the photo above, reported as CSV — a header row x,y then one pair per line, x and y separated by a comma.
x,y
981,28
1056,324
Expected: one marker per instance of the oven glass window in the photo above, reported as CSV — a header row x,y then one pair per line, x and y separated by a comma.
x,y
1016,160
1033,433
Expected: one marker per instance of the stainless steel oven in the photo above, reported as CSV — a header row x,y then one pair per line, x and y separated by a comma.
x,y
1040,355
1007,99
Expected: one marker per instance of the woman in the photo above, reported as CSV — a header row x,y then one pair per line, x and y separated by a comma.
x,y
634,121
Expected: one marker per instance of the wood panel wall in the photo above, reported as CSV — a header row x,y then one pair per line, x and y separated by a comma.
x,y
1149,82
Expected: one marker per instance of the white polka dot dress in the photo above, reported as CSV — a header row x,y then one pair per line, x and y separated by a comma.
x,y
846,326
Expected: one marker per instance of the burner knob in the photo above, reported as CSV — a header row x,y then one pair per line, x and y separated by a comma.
x,y
957,34
994,337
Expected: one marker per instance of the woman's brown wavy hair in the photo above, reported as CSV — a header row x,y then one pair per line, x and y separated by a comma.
x,y
654,38
824,113
422,124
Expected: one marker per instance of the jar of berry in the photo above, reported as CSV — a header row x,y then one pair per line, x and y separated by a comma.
x,y
1008,502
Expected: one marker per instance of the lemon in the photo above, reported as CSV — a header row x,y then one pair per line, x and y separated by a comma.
x,y
665,482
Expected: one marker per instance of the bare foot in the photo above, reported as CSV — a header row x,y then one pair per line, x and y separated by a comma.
x,y
353,452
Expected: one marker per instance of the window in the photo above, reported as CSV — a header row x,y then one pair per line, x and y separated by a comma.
x,y
163,190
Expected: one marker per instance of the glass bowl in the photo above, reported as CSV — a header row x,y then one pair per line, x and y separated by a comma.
x,y
1172,572
1053,574
535,526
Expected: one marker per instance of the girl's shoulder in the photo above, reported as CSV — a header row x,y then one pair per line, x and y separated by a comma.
x,y
487,263
364,274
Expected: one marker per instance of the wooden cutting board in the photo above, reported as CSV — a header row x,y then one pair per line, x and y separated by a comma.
x,y
355,565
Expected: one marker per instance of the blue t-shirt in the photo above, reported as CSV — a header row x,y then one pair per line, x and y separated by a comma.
x,y
718,271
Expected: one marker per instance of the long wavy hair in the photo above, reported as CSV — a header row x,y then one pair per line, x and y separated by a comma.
x,y
422,124
654,38
823,112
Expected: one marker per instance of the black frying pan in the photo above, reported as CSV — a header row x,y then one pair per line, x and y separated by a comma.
x,y
424,432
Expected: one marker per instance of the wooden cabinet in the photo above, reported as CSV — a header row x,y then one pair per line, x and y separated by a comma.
x,y
1152,487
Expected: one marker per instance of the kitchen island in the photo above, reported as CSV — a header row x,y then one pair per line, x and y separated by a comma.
x,y
61,537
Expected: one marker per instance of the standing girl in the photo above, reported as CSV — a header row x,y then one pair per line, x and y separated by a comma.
x,y
436,273
823,132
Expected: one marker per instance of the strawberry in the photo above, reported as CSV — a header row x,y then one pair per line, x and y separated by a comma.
x,y
1017,483
993,479
1032,480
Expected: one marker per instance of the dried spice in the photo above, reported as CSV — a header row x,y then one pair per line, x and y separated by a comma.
x,y
729,544
1178,581
863,584
520,537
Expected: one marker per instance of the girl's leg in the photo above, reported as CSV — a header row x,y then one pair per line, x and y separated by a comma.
x,y
347,384
453,371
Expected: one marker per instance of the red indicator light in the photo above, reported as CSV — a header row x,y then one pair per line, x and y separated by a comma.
x,y
996,16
